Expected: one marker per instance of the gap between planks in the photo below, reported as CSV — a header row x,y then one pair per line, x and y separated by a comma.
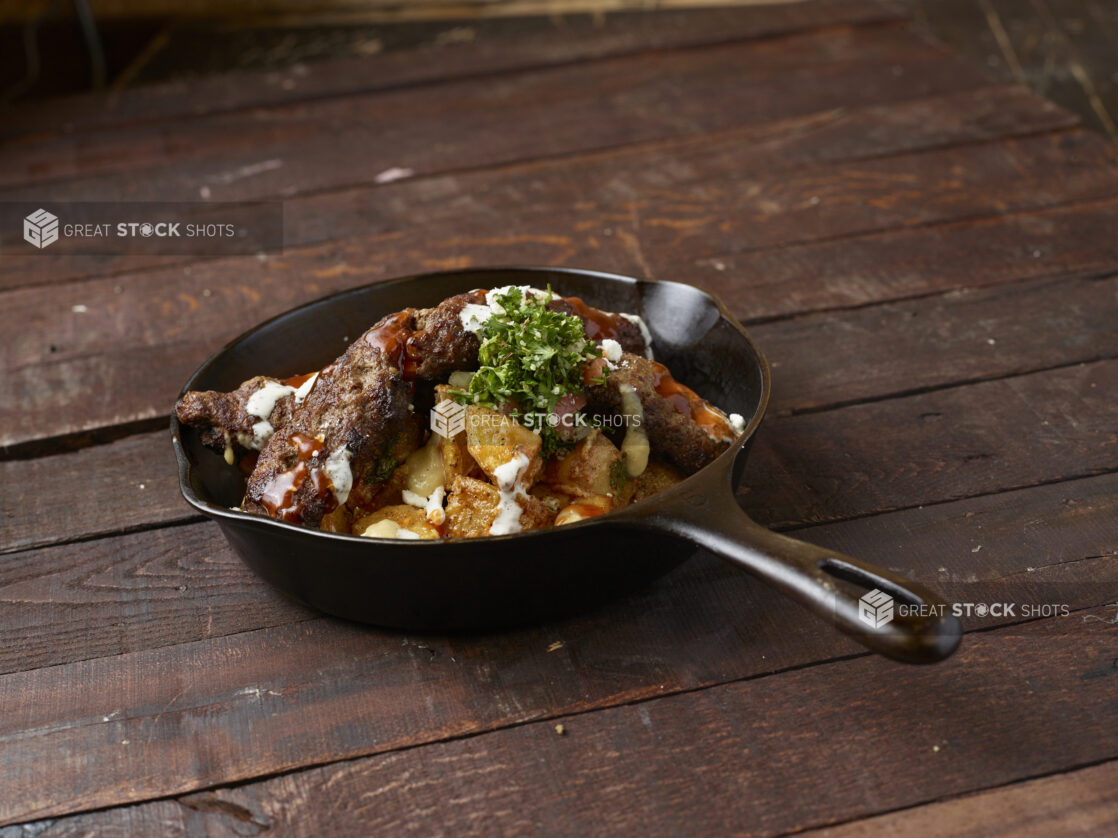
x,y
854,15
839,662
106,434
155,439
310,244
875,824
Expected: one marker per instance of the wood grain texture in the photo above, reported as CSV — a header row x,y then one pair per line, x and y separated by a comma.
x,y
288,150
873,353
956,442
965,335
102,489
1083,802
977,115
578,38
881,211
1060,48
183,584
115,595
1038,696
107,352
852,271
227,708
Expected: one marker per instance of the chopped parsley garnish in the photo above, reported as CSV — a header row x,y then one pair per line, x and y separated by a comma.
x,y
530,356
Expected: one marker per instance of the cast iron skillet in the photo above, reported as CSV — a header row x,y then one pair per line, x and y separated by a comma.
x,y
538,575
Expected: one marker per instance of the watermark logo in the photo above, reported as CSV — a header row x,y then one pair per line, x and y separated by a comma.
x,y
875,609
448,418
135,227
40,228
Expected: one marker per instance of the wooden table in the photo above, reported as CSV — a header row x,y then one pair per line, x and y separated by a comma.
x,y
930,260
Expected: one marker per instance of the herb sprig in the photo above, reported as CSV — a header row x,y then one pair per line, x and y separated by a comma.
x,y
530,356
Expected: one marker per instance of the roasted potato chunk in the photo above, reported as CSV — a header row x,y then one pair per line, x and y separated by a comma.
x,y
365,498
494,439
472,509
584,508
337,521
456,457
656,477
405,517
593,467
554,499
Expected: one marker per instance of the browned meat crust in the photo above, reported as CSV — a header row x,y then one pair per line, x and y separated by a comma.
x,y
360,403
603,324
672,433
221,418
440,343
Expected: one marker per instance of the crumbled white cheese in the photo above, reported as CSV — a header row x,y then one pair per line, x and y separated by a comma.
x,y
305,389
473,315
508,484
525,290
737,422
340,474
611,350
414,499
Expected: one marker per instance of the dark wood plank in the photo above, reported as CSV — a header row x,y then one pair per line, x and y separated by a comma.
x,y
1039,696
327,144
986,549
854,271
1063,49
183,584
956,442
499,48
110,596
123,485
965,335
977,115
871,354
1083,802
73,362
293,691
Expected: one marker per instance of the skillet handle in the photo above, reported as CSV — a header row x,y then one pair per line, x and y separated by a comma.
x,y
829,584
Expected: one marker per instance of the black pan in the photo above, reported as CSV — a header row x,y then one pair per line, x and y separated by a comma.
x,y
542,574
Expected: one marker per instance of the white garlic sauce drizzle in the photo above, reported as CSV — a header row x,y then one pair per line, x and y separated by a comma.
x,y
261,404
340,474
508,477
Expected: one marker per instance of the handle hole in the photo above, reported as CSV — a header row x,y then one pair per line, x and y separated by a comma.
x,y
864,579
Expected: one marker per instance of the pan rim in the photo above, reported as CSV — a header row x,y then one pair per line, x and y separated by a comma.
x,y
724,460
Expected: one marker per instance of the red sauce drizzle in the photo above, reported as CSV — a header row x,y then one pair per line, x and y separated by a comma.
x,y
600,325
279,496
297,381
393,337
690,403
